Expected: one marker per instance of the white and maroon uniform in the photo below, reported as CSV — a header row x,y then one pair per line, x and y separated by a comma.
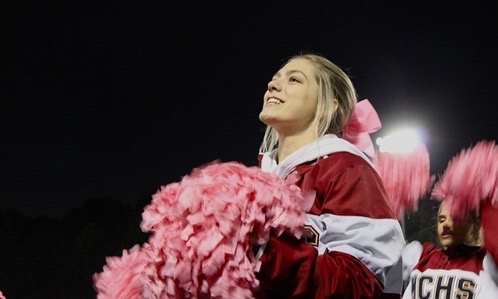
x,y
470,273
354,237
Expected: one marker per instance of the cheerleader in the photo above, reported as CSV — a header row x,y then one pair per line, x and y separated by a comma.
x,y
353,237
464,266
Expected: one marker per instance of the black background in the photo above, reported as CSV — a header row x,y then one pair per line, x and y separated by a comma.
x,y
115,100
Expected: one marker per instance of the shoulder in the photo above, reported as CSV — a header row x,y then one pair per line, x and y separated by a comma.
x,y
429,247
412,248
345,184
414,252
344,160
345,168
336,163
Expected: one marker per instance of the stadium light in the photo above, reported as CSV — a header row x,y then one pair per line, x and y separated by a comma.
x,y
400,141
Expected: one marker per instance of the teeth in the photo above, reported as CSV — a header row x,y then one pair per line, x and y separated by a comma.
x,y
274,101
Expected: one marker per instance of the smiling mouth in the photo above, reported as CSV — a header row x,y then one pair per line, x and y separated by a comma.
x,y
274,100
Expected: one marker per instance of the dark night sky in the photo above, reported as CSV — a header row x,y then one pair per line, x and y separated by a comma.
x,y
119,100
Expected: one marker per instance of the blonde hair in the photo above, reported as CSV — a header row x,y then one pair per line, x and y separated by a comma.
x,y
333,83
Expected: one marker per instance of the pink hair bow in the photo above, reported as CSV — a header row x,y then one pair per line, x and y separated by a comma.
x,y
363,122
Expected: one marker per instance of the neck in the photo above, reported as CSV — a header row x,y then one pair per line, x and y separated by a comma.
x,y
461,249
291,143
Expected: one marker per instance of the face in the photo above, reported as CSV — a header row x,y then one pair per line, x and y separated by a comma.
x,y
290,102
452,234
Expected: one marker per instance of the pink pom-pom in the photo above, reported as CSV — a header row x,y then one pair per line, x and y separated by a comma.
x,y
1,295
470,180
123,277
203,229
406,177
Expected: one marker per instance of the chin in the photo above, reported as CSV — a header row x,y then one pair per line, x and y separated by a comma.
x,y
265,118
446,243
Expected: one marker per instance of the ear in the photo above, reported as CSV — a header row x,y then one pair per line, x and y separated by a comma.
x,y
335,105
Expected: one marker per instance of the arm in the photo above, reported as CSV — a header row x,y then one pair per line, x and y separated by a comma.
x,y
394,282
293,269
411,256
356,237
489,223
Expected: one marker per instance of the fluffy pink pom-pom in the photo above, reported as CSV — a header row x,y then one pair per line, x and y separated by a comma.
x,y
203,229
123,276
470,180
1,295
406,177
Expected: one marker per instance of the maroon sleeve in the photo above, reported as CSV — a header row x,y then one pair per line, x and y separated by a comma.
x,y
489,223
290,267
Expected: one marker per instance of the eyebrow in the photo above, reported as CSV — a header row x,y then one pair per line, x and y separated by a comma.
x,y
290,72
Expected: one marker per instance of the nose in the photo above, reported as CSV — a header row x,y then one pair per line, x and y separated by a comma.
x,y
273,85
447,223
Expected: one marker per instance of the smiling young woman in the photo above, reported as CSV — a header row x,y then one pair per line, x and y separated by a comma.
x,y
353,236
